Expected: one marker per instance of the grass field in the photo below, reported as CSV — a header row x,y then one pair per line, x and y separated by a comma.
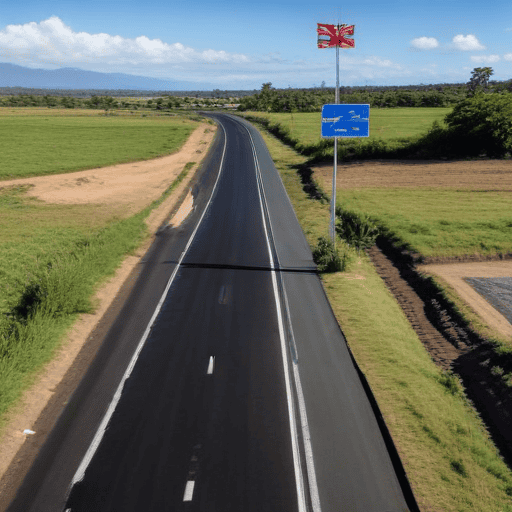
x,y
53,256
439,223
450,461
385,123
54,141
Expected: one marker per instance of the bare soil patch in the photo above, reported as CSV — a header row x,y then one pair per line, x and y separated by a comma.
x,y
132,186
483,174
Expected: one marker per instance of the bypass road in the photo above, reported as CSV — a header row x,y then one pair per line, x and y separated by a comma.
x,y
225,384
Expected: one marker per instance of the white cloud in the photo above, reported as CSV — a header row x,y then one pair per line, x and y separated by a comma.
x,y
53,42
508,56
425,43
380,63
487,59
467,43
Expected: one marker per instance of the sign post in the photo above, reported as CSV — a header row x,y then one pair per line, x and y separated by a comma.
x,y
333,36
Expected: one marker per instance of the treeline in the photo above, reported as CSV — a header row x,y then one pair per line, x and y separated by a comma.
x,y
120,93
311,100
110,103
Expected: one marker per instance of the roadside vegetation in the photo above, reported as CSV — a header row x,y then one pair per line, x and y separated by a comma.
x,y
53,257
449,458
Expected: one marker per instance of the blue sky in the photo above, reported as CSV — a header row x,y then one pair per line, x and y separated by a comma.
x,y
240,45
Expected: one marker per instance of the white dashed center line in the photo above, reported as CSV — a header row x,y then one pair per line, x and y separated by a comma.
x,y
189,491
211,364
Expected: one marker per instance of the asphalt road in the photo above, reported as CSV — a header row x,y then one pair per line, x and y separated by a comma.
x,y
240,393
497,291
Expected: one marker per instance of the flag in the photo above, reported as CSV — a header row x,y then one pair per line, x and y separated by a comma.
x,y
330,36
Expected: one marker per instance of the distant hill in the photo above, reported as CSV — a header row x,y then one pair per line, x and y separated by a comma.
x,y
12,75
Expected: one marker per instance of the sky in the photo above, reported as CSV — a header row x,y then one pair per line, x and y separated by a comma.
x,y
241,45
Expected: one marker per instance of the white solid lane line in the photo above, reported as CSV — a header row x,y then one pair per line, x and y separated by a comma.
x,y
211,365
189,490
310,467
299,480
80,472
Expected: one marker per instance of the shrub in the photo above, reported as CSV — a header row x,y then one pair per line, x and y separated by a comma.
x,y
328,257
357,230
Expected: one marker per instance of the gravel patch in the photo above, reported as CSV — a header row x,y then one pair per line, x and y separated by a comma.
x,y
496,290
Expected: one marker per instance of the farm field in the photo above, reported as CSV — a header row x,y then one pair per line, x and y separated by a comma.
x,y
44,141
385,123
439,210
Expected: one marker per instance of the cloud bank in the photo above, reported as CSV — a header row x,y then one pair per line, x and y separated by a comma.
x,y
53,42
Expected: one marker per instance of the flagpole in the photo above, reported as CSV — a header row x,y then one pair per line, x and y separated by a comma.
x,y
333,198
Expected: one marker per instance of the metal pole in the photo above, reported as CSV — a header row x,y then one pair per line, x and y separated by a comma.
x,y
333,198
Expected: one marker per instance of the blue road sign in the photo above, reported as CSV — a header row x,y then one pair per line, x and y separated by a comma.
x,y
345,120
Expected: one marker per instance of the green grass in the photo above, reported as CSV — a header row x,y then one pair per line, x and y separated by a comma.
x,y
35,145
53,260
449,459
53,289
439,223
386,124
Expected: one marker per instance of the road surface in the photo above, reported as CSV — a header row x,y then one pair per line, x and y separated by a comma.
x,y
225,384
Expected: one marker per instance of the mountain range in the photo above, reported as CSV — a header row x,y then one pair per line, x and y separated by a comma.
x,y
12,75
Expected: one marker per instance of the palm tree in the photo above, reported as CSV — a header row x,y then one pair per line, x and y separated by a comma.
x,y
479,77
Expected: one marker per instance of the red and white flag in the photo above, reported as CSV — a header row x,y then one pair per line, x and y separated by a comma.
x,y
330,36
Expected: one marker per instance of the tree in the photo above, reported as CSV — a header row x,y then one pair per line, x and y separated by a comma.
x,y
479,78
484,123
265,96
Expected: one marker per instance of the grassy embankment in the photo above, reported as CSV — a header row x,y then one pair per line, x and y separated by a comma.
x,y
450,460
53,257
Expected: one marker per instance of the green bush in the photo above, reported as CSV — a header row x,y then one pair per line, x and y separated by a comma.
x,y
485,121
356,229
328,258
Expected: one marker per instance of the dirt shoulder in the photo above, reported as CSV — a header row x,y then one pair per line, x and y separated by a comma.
x,y
134,186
